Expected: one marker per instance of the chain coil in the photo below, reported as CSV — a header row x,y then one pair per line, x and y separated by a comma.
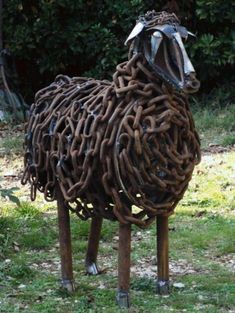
x,y
124,150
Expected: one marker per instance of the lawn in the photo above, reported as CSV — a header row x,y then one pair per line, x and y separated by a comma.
x,y
202,242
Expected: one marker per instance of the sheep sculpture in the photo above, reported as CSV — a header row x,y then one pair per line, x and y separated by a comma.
x,y
123,150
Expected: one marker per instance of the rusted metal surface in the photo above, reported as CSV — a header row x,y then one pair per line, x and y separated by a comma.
x,y
65,242
93,245
124,262
162,255
112,145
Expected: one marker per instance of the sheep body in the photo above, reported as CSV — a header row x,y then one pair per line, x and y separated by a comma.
x,y
112,145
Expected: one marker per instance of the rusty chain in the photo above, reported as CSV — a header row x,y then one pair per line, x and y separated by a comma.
x,y
123,150
153,18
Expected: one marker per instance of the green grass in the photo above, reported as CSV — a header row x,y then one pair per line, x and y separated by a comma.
x,y
201,239
215,124
12,144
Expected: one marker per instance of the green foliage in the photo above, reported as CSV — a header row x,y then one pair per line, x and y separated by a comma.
x,y
214,117
5,235
143,284
48,37
213,50
27,210
40,235
17,270
12,145
8,193
228,140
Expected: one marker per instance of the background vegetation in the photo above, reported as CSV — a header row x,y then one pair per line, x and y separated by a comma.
x,y
47,37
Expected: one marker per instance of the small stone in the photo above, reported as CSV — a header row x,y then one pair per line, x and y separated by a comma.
x,y
21,286
16,246
115,238
179,285
115,247
190,271
154,260
101,286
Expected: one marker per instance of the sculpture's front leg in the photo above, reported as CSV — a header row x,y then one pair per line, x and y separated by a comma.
x,y
162,255
124,250
65,242
93,245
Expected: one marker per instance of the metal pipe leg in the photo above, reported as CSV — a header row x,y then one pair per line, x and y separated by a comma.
x,y
65,243
162,255
124,251
93,245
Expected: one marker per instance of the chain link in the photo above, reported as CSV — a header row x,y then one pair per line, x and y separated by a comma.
x,y
123,150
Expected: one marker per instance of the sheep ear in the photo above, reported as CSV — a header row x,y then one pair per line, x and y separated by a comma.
x,y
136,31
191,34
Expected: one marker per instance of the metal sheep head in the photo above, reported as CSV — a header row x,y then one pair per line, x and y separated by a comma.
x,y
159,37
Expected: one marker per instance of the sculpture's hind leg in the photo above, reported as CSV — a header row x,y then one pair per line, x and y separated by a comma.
x,y
65,242
162,255
124,251
93,245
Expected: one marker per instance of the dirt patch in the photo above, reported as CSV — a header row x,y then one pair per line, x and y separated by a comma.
x,y
147,267
212,149
50,266
227,260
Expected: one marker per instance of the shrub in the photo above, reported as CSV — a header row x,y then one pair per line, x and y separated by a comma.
x,y
48,37
213,51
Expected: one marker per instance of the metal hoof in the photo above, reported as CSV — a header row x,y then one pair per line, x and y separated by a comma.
x,y
68,285
123,299
163,287
92,269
